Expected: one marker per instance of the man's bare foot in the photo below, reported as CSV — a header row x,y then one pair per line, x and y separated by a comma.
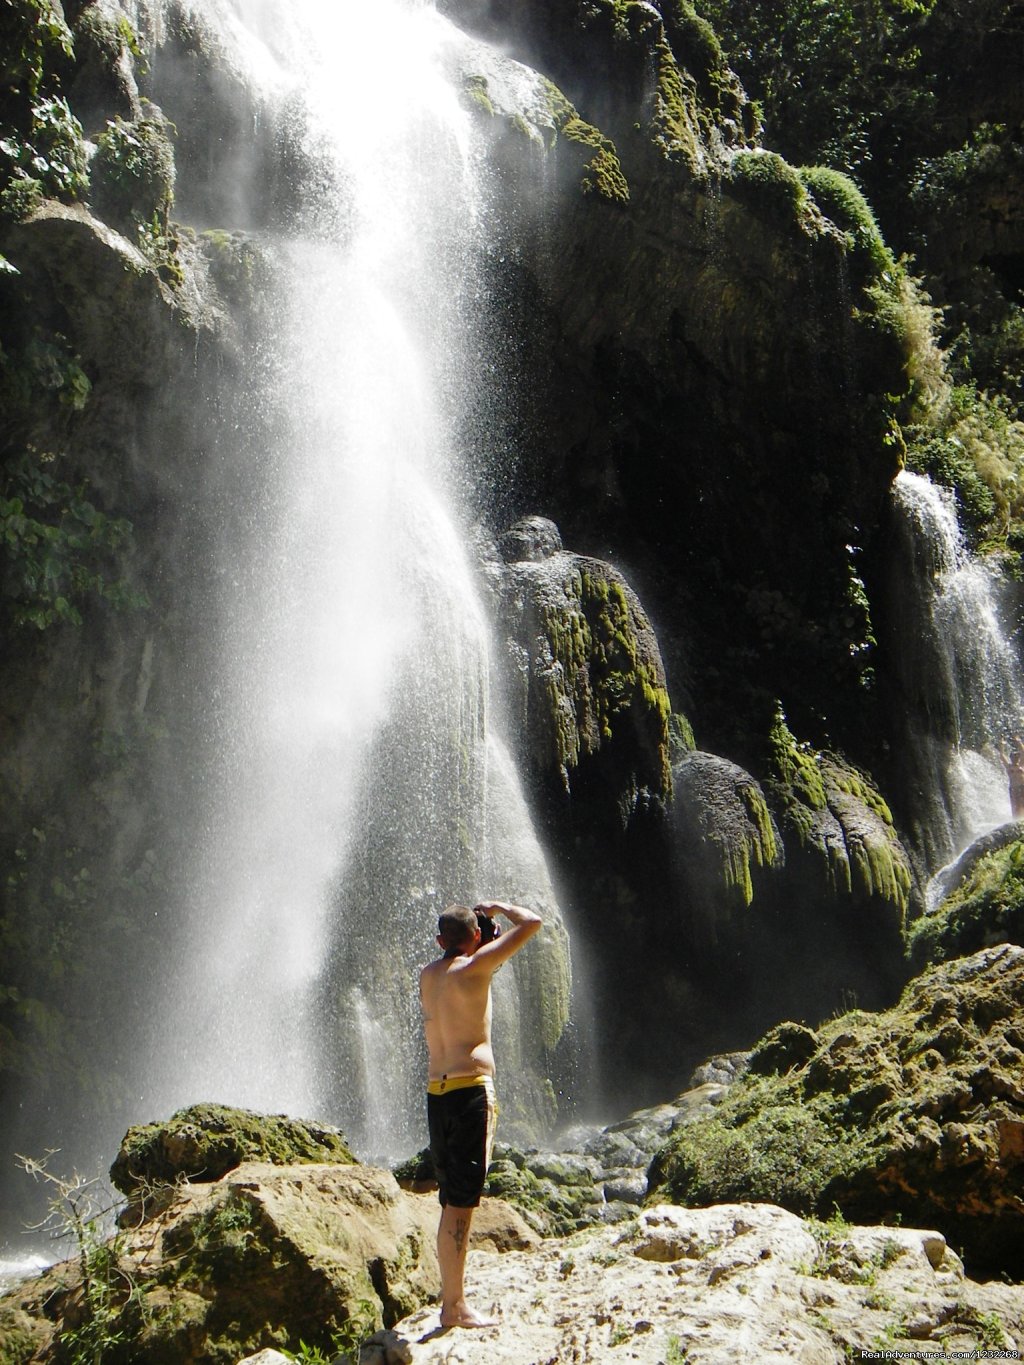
x,y
461,1315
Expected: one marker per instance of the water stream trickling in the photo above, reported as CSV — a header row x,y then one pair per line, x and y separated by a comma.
x,y
354,780
962,672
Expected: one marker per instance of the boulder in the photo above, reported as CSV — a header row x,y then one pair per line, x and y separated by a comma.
x,y
587,679
267,1256
723,830
915,1113
205,1141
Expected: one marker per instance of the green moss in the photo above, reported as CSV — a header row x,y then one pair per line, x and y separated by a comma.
x,y
760,849
768,185
18,1341
21,197
110,37
475,92
205,1141
840,200
795,766
675,122
602,174
870,861
623,679
220,1244
681,739
766,1142
553,1209
987,907
881,1115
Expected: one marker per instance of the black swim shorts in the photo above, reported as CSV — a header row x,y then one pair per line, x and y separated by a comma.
x,y
461,1125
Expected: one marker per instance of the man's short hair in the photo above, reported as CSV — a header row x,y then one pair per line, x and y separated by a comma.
x,y
456,927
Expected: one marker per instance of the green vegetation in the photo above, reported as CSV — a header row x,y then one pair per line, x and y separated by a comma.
x,y
830,78
608,684
766,1142
204,1141
971,442
66,929
987,907
93,1330
59,550
770,185
42,149
345,1341
898,96
836,1258
843,202
133,172
810,785
879,1115
602,173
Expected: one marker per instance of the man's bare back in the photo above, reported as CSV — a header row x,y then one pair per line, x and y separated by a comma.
x,y
456,1002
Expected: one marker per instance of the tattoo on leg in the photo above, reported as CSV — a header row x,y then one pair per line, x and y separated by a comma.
x,y
459,1233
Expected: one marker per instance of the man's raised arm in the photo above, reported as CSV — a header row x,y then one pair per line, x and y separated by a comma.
x,y
525,923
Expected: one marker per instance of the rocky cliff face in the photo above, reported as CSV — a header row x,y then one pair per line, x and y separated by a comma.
x,y
709,354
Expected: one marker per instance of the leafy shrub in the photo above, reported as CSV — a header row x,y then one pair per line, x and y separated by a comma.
x,y
57,548
40,138
831,78
52,152
133,171
771,1146
974,445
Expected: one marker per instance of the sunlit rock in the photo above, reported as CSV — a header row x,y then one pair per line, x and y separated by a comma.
x,y
915,1113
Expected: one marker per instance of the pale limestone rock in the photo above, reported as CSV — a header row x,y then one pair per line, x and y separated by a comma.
x,y
739,1282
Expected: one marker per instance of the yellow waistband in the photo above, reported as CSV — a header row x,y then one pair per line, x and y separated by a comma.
x,y
447,1083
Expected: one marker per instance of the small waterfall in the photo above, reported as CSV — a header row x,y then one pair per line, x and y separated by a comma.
x,y
354,780
961,673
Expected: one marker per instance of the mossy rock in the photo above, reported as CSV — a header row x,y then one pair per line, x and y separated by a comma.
x,y
915,1113
787,1046
769,186
725,831
841,201
984,908
203,1142
834,813
602,173
595,686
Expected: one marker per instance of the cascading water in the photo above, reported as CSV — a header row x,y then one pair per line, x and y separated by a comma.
x,y
959,669
353,781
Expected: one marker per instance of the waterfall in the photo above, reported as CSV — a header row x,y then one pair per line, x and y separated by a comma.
x,y
353,776
959,669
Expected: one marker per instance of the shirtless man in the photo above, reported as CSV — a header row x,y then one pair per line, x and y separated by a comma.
x,y
455,993
1014,765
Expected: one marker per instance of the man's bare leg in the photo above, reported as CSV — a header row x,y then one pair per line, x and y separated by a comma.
x,y
452,1245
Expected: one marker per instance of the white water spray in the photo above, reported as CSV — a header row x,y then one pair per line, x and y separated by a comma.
x,y
968,674
349,794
